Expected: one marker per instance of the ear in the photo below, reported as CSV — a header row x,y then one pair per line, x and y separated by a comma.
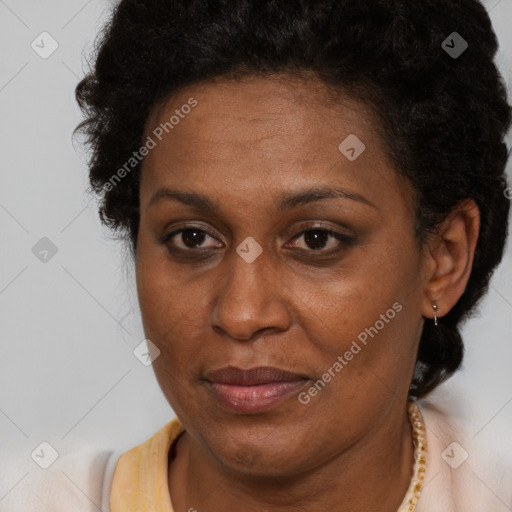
x,y
449,258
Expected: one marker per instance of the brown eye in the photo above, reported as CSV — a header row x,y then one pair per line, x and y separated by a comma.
x,y
194,241
190,238
316,239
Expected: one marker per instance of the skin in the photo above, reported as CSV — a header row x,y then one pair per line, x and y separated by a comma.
x,y
245,144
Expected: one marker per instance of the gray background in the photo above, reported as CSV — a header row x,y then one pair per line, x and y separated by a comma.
x,y
69,326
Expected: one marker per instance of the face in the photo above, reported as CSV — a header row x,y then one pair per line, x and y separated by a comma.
x,y
239,264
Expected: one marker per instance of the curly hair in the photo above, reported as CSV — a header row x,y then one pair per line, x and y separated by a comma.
x,y
443,117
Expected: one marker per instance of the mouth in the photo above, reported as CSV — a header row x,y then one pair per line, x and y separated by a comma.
x,y
255,390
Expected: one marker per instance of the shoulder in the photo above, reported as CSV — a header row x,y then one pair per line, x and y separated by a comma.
x,y
80,480
140,478
77,481
463,473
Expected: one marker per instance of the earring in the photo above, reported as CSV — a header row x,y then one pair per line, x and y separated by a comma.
x,y
434,307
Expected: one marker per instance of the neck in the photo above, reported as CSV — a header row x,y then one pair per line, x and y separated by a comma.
x,y
373,474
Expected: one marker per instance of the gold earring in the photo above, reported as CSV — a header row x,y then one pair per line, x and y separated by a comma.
x,y
434,307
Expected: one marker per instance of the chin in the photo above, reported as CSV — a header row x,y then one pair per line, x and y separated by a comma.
x,y
260,461
256,454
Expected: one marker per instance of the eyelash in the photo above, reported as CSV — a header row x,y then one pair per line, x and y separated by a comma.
x,y
345,241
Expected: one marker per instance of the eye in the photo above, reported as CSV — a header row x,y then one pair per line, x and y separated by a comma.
x,y
316,239
189,237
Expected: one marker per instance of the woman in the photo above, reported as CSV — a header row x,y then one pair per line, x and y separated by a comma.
x,y
315,199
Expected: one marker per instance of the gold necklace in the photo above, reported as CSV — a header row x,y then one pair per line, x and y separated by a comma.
x,y
419,437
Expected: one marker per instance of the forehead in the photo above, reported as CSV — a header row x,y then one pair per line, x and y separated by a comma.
x,y
291,104
263,133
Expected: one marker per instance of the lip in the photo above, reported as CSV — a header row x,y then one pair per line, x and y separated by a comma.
x,y
252,376
254,390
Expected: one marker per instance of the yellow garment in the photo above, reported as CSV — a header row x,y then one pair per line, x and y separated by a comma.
x,y
140,482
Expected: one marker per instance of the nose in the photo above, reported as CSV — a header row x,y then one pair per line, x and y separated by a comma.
x,y
249,299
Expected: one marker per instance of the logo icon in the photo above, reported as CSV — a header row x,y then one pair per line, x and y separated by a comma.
x,y
249,249
454,455
454,45
146,352
44,455
44,45
352,147
44,250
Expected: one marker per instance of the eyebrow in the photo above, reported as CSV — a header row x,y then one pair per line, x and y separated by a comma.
x,y
285,201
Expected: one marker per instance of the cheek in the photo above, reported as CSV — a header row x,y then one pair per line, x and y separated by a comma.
x,y
357,311
162,297
164,311
163,304
364,328
361,331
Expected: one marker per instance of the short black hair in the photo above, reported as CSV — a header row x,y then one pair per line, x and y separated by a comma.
x,y
443,116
